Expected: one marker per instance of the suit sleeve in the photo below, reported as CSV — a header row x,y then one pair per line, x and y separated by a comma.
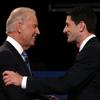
x,y
11,92
79,75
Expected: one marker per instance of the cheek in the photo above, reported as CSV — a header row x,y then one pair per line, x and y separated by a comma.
x,y
71,36
29,34
26,36
28,29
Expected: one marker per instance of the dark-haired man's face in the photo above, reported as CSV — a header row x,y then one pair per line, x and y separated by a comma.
x,y
71,30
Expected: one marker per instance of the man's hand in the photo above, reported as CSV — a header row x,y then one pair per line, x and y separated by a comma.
x,y
11,77
53,98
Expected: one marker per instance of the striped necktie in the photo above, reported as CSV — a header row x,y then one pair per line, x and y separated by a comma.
x,y
26,60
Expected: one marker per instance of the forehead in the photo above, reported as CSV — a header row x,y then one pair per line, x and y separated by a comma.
x,y
68,18
32,17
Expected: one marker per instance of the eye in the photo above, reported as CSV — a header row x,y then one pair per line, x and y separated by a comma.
x,y
67,24
35,26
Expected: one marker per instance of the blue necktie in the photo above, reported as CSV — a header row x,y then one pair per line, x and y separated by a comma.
x,y
25,58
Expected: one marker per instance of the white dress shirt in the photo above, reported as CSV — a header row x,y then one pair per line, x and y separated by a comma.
x,y
19,48
85,41
15,44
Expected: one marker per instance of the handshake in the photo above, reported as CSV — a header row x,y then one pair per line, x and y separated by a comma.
x,y
15,78
51,97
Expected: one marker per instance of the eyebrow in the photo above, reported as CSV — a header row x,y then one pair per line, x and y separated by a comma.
x,y
67,23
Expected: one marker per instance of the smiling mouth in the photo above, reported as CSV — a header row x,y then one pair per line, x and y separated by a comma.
x,y
34,37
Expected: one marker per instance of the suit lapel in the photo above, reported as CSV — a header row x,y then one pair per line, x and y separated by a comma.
x,y
19,61
92,41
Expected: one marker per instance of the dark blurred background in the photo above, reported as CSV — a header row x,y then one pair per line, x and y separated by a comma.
x,y
51,50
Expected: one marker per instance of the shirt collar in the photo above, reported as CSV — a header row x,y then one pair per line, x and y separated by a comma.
x,y
85,41
16,45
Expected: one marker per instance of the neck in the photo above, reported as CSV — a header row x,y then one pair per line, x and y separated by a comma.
x,y
81,39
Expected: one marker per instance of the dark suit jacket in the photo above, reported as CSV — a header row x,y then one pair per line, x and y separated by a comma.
x,y
10,59
2,96
82,80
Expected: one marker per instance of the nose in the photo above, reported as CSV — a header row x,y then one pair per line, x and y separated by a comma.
x,y
64,30
37,30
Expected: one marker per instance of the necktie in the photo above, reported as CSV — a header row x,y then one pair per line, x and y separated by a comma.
x,y
26,60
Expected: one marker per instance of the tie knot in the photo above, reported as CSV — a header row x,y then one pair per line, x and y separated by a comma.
x,y
24,55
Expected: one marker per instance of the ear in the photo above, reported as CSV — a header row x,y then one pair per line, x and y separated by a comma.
x,y
82,26
18,27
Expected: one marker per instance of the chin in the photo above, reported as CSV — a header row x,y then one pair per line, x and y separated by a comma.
x,y
32,44
68,41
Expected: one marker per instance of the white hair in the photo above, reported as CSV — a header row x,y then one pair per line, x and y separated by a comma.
x,y
17,15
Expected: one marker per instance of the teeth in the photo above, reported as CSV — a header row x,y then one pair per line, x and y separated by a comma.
x,y
33,37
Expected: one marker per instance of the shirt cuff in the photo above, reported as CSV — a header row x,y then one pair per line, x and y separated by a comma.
x,y
24,82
